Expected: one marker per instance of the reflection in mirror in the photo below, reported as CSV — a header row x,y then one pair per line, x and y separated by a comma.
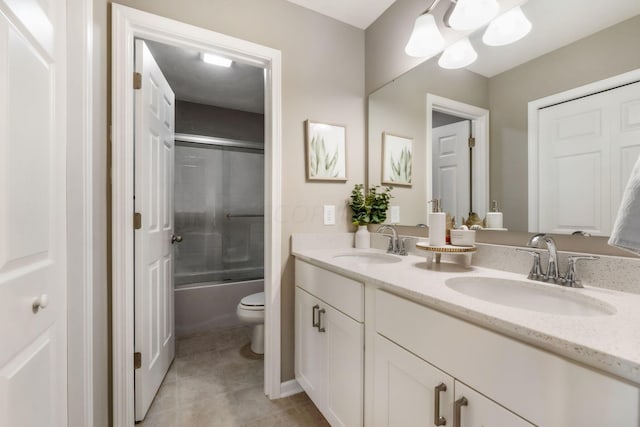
x,y
504,81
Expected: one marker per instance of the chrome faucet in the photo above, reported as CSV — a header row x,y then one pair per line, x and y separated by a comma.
x,y
396,246
552,266
553,273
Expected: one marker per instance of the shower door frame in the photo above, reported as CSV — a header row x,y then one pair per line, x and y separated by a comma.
x,y
128,24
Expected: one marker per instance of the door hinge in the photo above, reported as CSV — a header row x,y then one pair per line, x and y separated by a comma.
x,y
137,221
137,360
472,142
137,81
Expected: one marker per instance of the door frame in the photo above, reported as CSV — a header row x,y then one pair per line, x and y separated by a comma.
x,y
127,24
480,124
533,123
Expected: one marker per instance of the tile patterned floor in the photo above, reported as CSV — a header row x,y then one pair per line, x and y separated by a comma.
x,y
216,381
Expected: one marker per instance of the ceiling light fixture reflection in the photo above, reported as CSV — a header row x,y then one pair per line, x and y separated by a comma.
x,y
221,61
507,28
458,55
471,14
425,39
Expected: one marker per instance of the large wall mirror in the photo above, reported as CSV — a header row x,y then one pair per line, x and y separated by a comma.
x,y
572,44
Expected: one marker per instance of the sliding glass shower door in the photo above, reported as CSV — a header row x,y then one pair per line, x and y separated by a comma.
x,y
219,211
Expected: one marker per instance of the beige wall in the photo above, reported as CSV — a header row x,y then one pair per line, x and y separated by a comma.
x,y
400,108
322,79
607,53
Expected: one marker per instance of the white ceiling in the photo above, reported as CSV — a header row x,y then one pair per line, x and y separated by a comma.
x,y
359,13
240,87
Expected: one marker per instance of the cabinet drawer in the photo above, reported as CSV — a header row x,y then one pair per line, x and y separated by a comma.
x,y
545,389
345,294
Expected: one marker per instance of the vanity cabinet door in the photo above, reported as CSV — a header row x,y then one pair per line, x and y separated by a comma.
x,y
309,348
472,409
329,359
406,388
344,352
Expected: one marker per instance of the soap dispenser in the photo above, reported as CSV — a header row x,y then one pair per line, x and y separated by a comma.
x,y
493,218
437,224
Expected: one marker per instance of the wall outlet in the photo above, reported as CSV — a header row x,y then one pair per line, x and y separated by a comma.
x,y
395,214
329,215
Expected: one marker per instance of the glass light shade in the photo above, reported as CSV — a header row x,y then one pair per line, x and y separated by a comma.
x,y
507,28
471,14
425,39
458,55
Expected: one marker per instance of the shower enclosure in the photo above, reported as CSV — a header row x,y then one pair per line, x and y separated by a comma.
x,y
219,207
219,212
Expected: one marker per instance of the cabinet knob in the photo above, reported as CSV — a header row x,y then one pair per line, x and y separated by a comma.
x,y
40,302
457,409
437,419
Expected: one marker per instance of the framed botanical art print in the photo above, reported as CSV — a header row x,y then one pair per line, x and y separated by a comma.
x,y
397,159
326,152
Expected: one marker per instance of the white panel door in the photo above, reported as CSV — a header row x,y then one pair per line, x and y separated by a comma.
x,y
33,337
405,388
587,148
154,169
450,159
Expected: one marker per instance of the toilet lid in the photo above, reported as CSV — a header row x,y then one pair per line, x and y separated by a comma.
x,y
253,300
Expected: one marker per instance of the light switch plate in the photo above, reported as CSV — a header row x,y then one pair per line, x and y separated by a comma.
x,y
395,214
329,215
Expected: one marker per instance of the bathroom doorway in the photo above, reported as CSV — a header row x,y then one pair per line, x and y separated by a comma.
x,y
199,169
131,25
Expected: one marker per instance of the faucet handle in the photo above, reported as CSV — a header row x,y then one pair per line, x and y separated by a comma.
x,y
391,247
402,250
536,269
570,278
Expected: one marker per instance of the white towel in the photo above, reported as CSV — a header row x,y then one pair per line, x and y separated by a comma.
x,y
626,230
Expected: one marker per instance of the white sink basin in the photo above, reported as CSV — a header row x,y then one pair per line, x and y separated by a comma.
x,y
368,258
530,296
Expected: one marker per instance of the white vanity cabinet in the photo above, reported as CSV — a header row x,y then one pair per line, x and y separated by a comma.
x,y
329,342
504,382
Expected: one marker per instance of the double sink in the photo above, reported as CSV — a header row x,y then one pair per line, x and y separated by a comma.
x,y
522,294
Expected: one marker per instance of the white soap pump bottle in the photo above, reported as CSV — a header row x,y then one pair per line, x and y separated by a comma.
x,y
494,218
437,222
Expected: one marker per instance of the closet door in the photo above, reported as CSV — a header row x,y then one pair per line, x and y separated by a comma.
x,y
33,299
587,148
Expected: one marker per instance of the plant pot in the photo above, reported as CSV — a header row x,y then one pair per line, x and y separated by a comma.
x,y
363,238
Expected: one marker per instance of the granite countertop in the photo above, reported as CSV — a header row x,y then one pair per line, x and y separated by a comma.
x,y
610,343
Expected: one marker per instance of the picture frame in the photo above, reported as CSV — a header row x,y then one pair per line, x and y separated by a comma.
x,y
397,160
326,151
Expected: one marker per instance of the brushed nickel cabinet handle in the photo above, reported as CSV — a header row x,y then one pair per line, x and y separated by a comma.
x,y
314,323
437,419
320,325
457,409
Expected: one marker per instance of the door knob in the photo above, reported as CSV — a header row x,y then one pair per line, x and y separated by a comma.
x,y
175,238
40,302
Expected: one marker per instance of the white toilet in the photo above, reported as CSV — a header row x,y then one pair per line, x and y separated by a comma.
x,y
251,310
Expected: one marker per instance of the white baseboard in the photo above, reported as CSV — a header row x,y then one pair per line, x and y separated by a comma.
x,y
289,388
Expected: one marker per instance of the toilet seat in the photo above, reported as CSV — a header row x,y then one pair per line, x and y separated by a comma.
x,y
253,302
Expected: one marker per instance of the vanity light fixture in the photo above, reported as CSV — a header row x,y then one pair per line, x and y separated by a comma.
x,y
464,15
507,28
458,55
221,61
471,14
425,39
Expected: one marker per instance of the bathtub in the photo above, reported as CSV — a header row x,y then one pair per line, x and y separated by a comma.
x,y
204,306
